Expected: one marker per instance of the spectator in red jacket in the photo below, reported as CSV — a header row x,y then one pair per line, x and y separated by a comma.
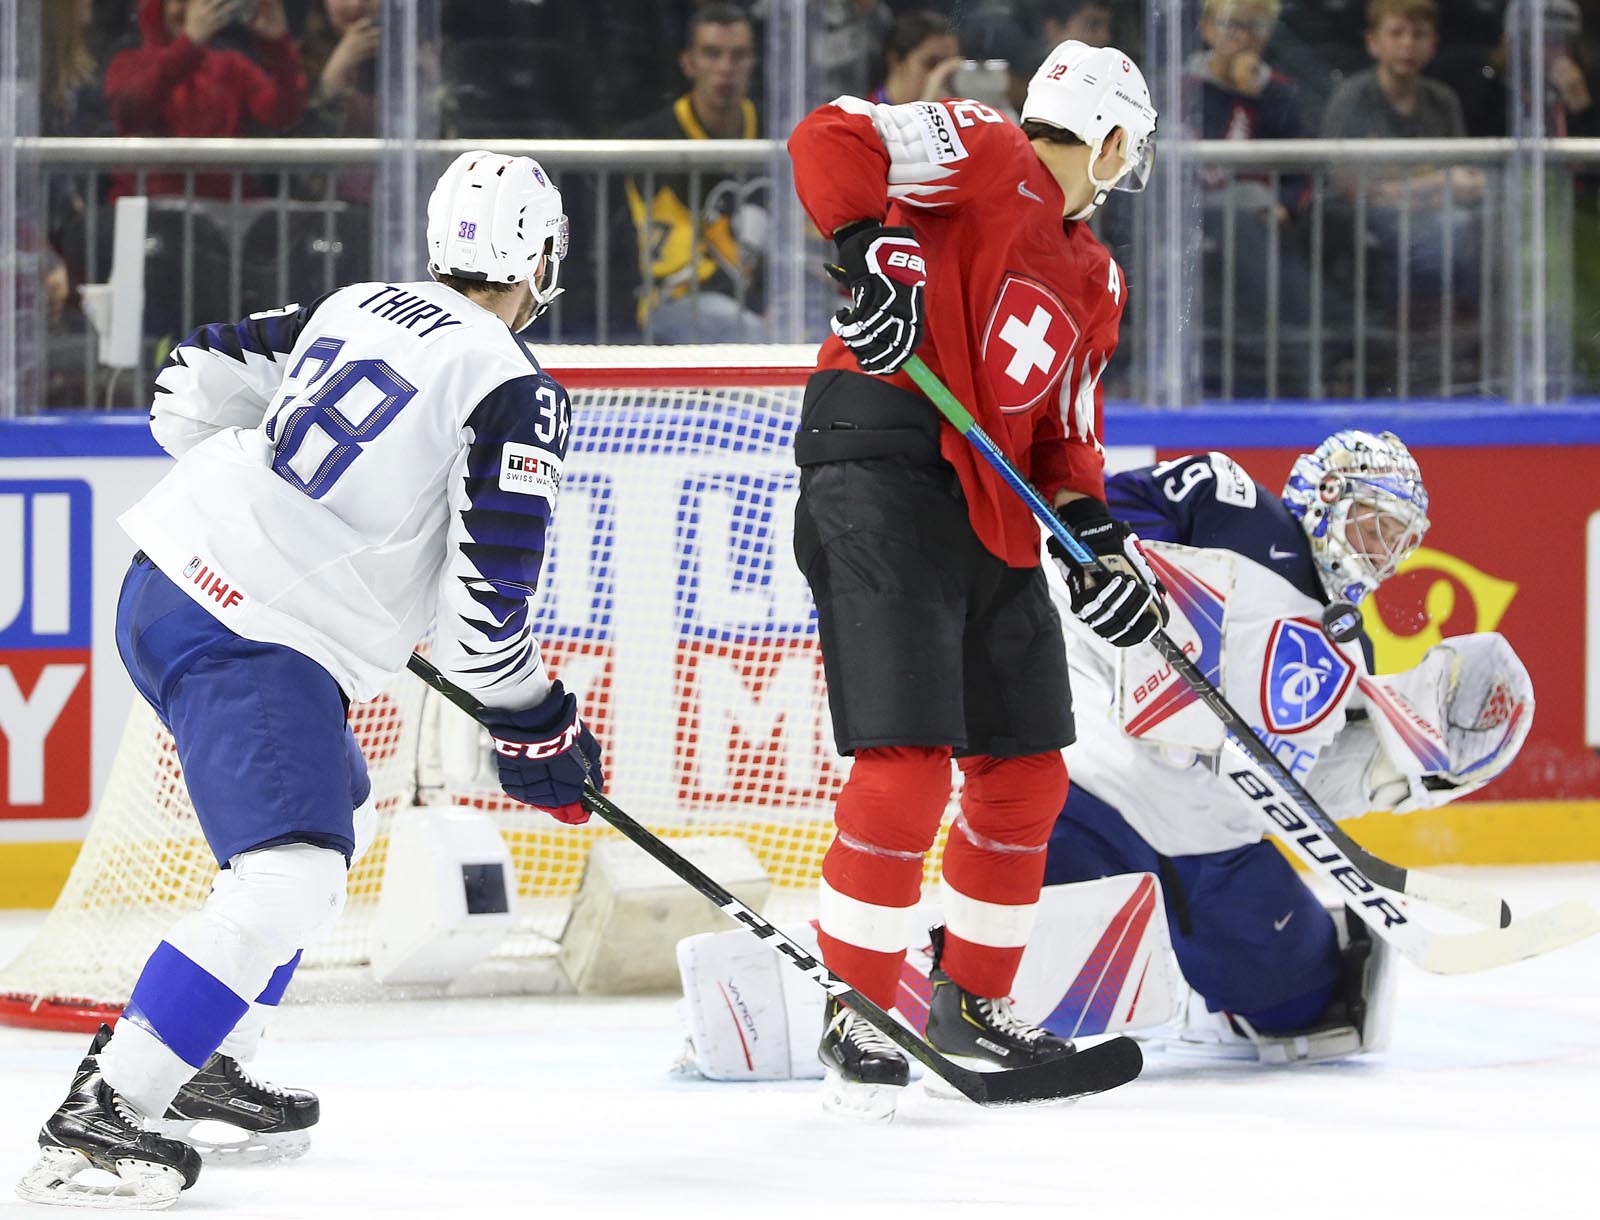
x,y
181,82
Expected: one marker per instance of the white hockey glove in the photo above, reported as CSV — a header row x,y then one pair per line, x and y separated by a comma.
x,y
1120,599
1450,724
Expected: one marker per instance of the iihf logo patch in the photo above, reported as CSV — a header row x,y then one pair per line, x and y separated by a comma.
x,y
190,568
1303,678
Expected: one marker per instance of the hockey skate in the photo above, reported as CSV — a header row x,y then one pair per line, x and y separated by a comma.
x,y
980,1032
95,1128
865,1072
272,1123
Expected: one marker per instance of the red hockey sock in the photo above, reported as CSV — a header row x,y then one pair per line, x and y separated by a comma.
x,y
994,866
887,817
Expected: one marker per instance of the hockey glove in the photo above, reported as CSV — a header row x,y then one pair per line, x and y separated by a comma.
x,y
885,271
545,753
1120,598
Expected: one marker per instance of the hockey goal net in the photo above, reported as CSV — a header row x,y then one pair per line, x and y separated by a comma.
x,y
670,603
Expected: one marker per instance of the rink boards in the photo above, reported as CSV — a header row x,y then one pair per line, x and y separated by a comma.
x,y
672,556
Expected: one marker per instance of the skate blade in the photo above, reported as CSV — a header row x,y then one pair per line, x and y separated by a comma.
x,y
873,1103
221,1144
145,1186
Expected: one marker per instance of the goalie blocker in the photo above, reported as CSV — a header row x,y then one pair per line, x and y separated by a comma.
x,y
1101,962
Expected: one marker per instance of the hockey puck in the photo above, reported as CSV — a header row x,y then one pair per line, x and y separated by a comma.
x,y
1342,622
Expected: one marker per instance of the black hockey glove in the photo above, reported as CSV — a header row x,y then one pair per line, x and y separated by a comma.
x,y
1120,599
545,752
885,270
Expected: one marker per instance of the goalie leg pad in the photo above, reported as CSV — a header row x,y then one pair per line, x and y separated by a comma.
x,y
1357,1020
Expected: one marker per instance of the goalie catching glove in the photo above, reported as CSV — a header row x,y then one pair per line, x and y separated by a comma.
x,y
1120,598
886,272
545,753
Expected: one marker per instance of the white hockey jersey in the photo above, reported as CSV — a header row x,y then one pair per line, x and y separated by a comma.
x,y
1247,610
356,469
1146,746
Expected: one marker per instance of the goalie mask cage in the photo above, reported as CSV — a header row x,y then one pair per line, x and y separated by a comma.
x,y
670,602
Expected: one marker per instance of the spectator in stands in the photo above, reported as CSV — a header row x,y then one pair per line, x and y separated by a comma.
x,y
1415,213
71,100
1239,96
1393,99
71,104
1023,32
189,77
842,47
1481,80
341,59
699,252
920,56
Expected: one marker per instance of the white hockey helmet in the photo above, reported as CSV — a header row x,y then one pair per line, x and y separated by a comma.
x,y
490,218
1091,91
1360,499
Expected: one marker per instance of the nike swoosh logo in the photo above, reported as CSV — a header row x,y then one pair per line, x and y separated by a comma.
x,y
1022,189
1274,553
1278,925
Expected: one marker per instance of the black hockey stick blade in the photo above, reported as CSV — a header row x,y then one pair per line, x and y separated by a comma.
x,y
1094,1070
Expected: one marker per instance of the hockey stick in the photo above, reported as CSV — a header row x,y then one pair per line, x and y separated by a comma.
x,y
1312,833
1093,1070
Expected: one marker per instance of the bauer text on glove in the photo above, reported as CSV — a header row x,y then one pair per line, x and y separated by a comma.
x,y
1119,598
886,272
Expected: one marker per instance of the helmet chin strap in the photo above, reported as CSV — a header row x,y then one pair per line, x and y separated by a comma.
x,y
1102,186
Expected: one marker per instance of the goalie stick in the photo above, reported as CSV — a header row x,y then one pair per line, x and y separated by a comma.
x,y
1092,1070
1277,795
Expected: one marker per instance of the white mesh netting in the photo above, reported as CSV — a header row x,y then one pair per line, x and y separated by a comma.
x,y
670,603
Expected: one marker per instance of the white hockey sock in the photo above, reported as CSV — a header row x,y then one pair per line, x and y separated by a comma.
x,y
189,996
143,1068
245,1037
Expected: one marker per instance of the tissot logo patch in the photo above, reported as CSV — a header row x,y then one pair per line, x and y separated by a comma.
x,y
529,471
1026,343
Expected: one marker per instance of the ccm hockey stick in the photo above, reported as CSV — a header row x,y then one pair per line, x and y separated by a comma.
x,y
1294,815
1093,1070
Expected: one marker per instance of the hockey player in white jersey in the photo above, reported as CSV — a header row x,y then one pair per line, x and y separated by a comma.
x,y
349,473
1250,576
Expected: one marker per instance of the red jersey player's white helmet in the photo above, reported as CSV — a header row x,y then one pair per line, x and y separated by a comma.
x,y
1091,91
490,218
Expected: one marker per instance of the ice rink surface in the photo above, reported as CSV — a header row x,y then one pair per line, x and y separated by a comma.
x,y
1487,1105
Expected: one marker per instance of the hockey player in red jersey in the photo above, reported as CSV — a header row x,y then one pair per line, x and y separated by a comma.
x,y
961,238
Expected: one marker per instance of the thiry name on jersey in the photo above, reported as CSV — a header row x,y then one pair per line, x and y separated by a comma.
x,y
1022,306
1251,603
350,471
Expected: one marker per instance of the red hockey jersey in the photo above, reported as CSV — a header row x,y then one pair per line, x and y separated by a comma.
x,y
1022,307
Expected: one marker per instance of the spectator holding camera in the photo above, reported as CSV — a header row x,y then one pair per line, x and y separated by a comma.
x,y
206,68
1482,80
341,56
920,56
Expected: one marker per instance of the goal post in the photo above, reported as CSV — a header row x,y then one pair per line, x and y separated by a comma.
x,y
670,604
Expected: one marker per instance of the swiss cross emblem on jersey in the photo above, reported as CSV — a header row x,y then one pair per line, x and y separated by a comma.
x,y
1026,343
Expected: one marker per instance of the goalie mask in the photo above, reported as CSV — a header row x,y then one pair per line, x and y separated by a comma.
x,y
491,217
1091,92
1360,499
